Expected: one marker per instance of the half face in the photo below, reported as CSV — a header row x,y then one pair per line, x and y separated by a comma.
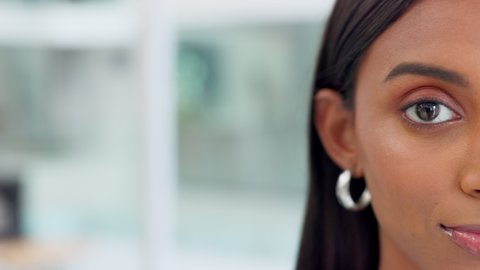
x,y
417,126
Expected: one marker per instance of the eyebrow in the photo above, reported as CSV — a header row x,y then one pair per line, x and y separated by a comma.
x,y
432,71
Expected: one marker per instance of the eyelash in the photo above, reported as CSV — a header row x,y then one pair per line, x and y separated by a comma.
x,y
426,125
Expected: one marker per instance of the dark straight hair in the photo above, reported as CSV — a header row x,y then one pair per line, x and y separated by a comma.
x,y
334,238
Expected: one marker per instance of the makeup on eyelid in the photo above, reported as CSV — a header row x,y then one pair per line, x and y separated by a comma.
x,y
429,94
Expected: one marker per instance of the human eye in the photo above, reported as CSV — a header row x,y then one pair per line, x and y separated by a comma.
x,y
429,112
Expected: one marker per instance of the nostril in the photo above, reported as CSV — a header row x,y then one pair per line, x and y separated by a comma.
x,y
470,183
475,193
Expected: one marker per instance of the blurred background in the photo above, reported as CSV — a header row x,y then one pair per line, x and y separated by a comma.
x,y
144,134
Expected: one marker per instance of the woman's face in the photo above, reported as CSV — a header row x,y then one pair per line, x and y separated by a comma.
x,y
417,126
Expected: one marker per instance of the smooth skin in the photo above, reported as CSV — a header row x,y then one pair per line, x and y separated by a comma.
x,y
421,173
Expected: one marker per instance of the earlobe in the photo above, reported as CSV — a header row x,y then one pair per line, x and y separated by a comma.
x,y
335,126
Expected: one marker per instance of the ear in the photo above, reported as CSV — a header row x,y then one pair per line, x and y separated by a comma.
x,y
335,126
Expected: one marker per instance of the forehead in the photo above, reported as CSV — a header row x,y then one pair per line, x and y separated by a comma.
x,y
437,32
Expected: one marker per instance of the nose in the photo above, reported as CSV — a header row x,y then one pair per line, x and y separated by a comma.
x,y
470,184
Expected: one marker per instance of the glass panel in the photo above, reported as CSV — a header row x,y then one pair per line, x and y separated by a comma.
x,y
69,144
243,105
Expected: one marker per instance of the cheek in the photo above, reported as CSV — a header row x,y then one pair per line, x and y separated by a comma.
x,y
407,174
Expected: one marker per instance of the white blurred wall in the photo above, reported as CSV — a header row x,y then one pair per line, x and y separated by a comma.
x,y
90,123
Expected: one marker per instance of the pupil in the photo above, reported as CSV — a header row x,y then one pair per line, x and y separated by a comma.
x,y
428,111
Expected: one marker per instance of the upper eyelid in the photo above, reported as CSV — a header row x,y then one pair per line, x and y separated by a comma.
x,y
424,100
435,93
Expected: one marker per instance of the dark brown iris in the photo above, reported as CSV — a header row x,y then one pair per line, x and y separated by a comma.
x,y
428,111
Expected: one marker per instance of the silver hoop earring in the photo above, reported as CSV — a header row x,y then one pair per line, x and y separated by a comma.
x,y
344,196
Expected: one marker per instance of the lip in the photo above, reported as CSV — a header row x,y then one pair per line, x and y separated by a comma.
x,y
465,236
